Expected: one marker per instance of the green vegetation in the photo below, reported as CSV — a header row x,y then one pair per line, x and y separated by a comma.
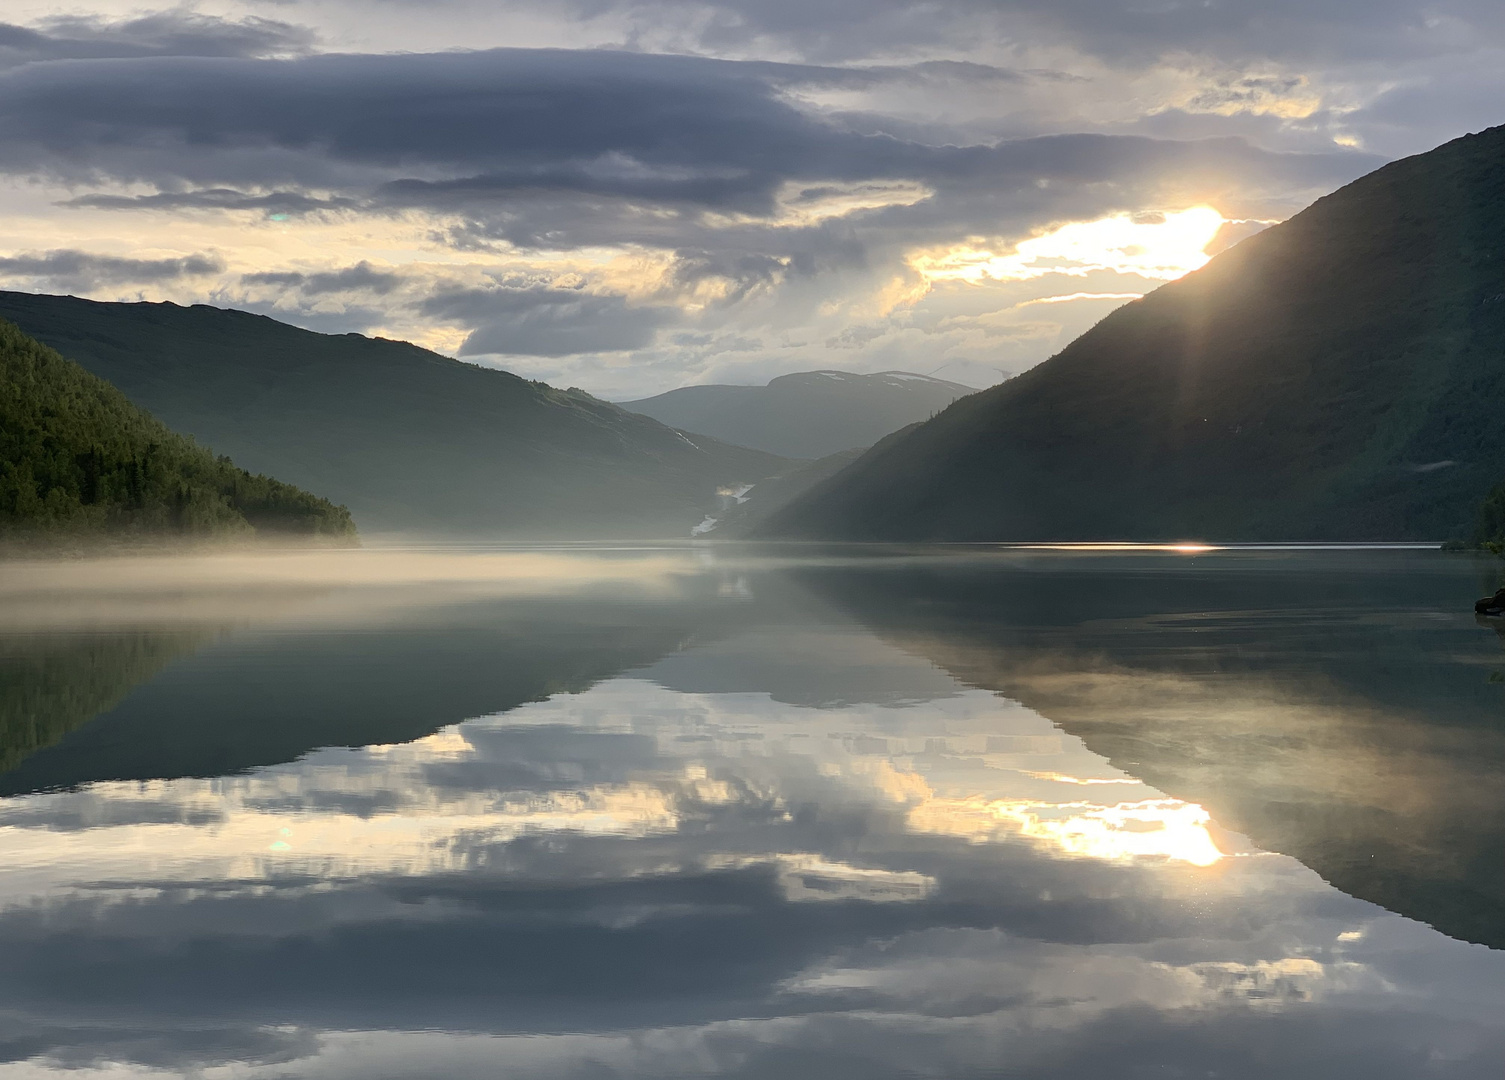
x,y
1336,377
51,684
411,441
1489,526
77,458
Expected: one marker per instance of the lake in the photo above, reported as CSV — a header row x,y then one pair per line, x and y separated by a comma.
x,y
659,812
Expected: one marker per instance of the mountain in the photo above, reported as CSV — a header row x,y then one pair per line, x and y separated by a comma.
x,y
77,458
409,440
743,510
807,415
1336,377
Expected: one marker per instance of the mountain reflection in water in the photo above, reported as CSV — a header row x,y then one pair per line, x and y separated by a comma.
x,y
750,815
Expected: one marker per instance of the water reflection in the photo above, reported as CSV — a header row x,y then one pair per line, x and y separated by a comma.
x,y
706,832
52,683
1339,709
282,656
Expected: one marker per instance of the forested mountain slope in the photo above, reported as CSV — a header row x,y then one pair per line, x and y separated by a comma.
x,y
810,414
410,440
1337,377
78,459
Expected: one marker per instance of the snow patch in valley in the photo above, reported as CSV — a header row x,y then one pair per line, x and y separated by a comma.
x,y
730,496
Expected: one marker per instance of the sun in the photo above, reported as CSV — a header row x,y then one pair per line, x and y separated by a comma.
x,y
1160,246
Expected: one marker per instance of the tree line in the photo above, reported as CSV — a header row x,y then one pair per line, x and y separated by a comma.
x,y
77,457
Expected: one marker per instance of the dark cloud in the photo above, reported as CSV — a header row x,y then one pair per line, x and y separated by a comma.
x,y
1117,30
544,320
86,811
362,277
742,271
497,123
1242,30
155,1045
176,32
1121,31
562,150
509,126
273,202
83,270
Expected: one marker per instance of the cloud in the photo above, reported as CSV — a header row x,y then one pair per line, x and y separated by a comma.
x,y
487,128
439,129
500,909
1122,31
1118,30
362,277
1468,96
174,32
732,186
736,200
544,320
83,270
272,202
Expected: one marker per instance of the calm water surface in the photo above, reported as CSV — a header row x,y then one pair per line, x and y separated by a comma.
x,y
726,813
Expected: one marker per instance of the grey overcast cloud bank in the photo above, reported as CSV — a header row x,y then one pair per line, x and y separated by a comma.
x,y
649,195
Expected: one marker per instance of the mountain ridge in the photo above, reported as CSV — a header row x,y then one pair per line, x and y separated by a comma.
x,y
1330,378
79,460
805,414
410,440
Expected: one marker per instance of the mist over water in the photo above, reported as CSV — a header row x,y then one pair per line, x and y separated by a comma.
x,y
711,811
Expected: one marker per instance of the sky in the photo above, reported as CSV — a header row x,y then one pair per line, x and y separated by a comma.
x,y
632,196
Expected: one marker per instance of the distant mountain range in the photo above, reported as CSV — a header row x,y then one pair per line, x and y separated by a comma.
x,y
1336,377
409,440
78,459
807,415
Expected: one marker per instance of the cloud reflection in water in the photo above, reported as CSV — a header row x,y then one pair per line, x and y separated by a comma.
x,y
644,881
